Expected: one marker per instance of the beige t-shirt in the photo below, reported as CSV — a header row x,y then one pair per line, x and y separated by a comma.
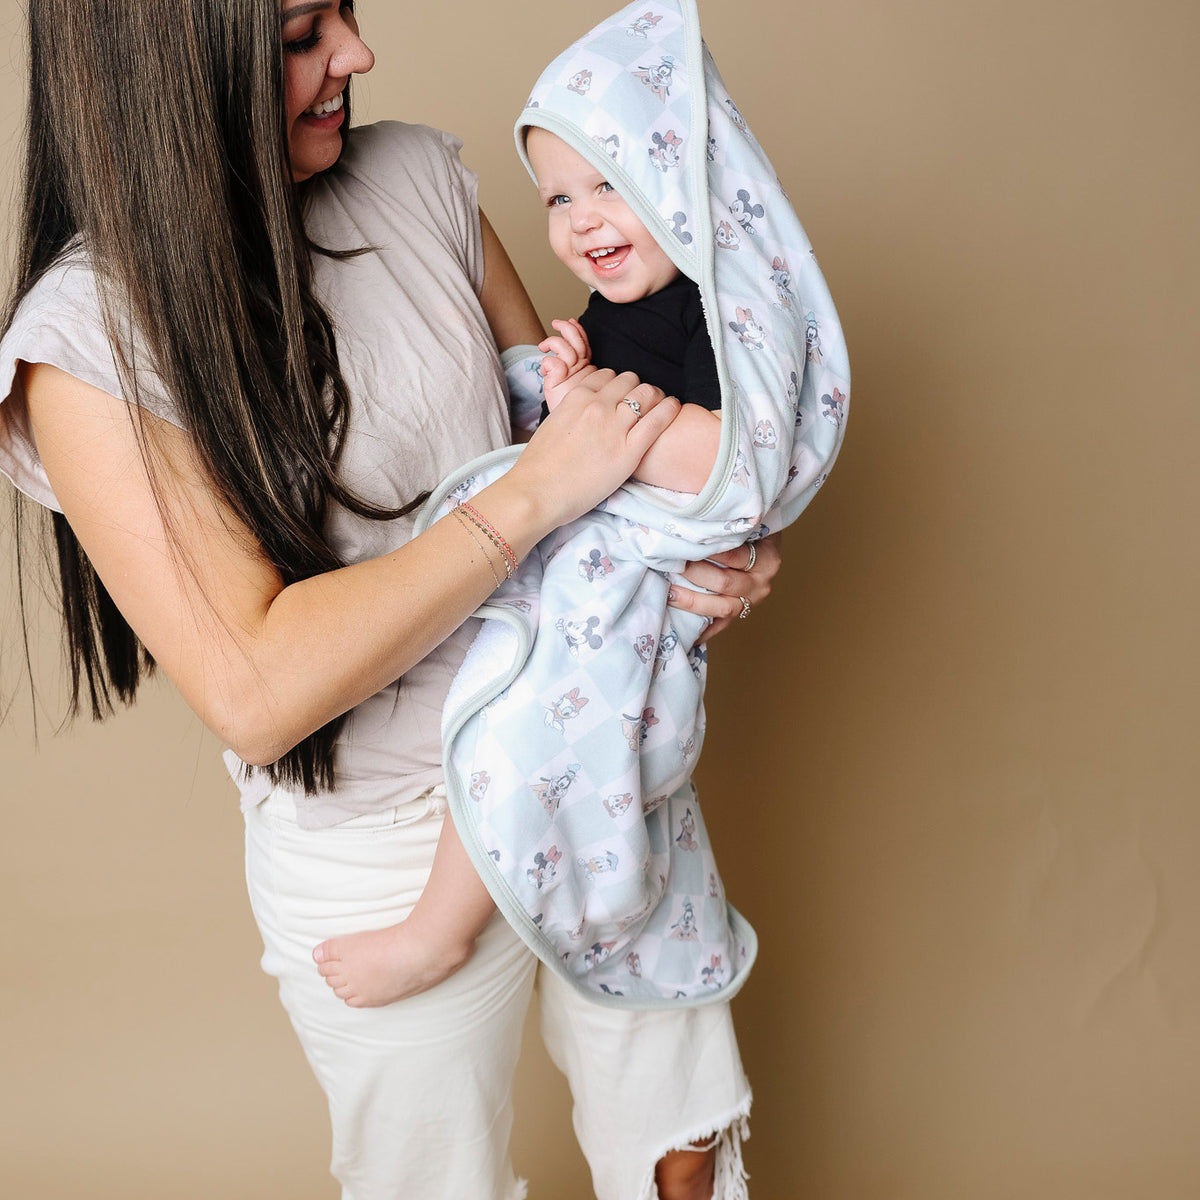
x,y
427,394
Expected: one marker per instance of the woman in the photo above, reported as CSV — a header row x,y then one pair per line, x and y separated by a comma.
x,y
234,481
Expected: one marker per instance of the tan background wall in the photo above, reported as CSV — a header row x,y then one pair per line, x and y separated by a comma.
x,y
951,765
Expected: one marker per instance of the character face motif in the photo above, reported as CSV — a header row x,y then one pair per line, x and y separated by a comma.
x,y
636,729
725,237
565,708
750,333
591,229
664,152
746,211
595,566
684,930
598,953
812,338
550,791
579,633
599,863
833,407
764,435
544,867
658,78
643,25
687,832
616,805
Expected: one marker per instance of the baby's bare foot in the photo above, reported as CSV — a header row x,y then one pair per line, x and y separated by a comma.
x,y
370,969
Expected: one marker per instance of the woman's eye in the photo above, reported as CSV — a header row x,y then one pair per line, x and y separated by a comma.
x,y
305,44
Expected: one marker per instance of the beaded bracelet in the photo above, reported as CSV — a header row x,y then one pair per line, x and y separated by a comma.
x,y
469,526
493,534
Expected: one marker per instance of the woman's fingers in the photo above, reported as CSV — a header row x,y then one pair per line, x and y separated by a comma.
x,y
593,441
730,587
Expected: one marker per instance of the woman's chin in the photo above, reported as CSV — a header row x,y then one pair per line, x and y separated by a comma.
x,y
315,154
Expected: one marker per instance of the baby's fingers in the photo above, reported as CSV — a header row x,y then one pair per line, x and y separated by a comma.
x,y
554,370
572,332
560,349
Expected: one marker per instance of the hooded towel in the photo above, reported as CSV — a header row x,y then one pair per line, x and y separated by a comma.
x,y
573,726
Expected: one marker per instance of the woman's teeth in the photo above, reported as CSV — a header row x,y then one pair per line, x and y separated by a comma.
x,y
325,107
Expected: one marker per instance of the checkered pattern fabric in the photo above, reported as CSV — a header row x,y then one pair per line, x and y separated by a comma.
x,y
574,724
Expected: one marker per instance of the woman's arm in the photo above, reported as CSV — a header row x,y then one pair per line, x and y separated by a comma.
x,y
514,322
506,303
264,665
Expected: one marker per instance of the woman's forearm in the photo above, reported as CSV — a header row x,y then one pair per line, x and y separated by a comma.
x,y
264,665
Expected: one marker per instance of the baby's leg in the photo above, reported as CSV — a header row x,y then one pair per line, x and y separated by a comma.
x,y
420,1093
380,966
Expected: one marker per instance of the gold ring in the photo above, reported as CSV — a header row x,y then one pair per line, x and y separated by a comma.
x,y
745,608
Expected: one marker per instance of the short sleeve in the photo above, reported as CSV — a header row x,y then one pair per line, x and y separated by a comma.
x,y
391,163
59,322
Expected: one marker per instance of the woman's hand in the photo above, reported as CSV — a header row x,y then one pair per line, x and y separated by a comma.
x,y
591,444
729,582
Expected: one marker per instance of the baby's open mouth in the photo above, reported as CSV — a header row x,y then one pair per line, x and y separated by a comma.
x,y
608,258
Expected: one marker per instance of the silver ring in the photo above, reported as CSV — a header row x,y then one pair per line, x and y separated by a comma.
x,y
745,608
637,408
753,557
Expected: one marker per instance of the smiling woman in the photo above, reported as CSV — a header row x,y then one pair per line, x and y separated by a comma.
x,y
174,389
322,50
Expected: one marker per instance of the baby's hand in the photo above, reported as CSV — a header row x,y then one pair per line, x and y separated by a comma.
x,y
566,356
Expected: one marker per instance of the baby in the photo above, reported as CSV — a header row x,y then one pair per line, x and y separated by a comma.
x,y
644,317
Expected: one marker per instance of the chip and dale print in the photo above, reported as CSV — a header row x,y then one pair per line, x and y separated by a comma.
x,y
678,900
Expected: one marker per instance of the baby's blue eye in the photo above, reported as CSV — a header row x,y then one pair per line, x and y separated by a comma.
x,y
607,187
554,201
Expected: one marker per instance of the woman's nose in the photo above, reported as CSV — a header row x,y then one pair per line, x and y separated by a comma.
x,y
352,56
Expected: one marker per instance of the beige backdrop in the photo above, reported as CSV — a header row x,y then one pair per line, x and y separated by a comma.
x,y
948,764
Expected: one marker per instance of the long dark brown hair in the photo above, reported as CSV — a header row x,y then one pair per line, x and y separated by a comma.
x,y
156,136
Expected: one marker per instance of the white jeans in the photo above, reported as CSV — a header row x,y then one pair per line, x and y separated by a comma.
x,y
420,1092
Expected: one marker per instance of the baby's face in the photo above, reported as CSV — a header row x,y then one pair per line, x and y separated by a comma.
x,y
592,230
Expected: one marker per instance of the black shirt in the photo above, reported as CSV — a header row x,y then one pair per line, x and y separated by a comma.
x,y
662,339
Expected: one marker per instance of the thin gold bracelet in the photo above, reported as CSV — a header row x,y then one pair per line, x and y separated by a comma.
x,y
468,524
494,536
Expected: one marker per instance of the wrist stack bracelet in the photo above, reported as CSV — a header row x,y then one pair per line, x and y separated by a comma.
x,y
492,533
469,525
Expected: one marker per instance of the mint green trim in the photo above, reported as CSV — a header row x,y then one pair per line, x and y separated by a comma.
x,y
515,354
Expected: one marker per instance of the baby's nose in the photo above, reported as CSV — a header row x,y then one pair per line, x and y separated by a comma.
x,y
583,218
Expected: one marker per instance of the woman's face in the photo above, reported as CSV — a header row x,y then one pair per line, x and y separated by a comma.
x,y
321,50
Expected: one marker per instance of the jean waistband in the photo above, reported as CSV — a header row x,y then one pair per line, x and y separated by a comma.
x,y
432,802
